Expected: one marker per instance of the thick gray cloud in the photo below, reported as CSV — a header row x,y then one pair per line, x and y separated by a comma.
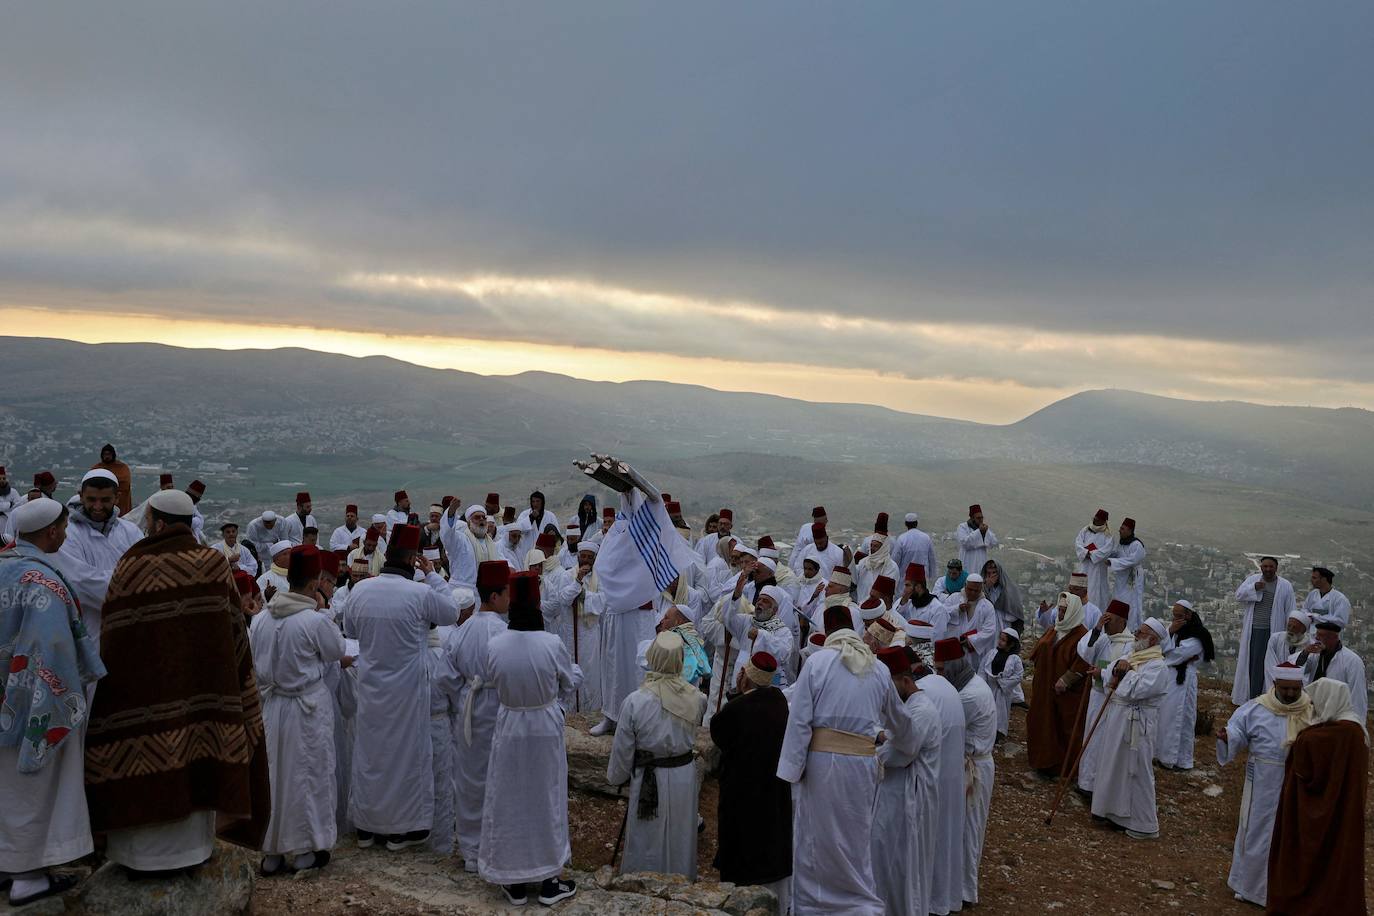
x,y
1172,169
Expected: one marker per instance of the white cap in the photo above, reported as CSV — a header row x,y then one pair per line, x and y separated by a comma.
x,y
280,546
1184,603
269,516
573,528
747,550
1285,671
468,513
767,563
35,515
465,597
590,546
1011,631
379,519
918,631
1160,630
974,578
1301,617
910,518
172,502
99,474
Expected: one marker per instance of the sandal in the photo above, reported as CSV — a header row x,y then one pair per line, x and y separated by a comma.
x,y
57,884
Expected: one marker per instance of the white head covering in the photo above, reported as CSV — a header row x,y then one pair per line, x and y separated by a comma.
x,y
1011,631
379,519
35,515
778,595
99,474
910,518
1184,603
277,547
919,632
747,550
1157,625
269,516
469,512
465,597
1073,614
1279,671
1301,617
974,578
172,502
1331,703
589,546
768,564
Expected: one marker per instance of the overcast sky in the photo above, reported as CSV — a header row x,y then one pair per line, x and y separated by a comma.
x,y
967,209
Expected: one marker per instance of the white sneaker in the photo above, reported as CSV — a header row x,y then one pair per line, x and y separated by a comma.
x,y
604,727
470,866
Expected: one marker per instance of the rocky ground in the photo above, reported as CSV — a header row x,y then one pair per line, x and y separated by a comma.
x,y
1073,867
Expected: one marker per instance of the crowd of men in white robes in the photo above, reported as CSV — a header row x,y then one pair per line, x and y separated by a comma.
x,y
416,671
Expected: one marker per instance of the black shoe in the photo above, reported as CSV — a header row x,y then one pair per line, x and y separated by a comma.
x,y
516,894
398,841
366,839
556,889
318,859
57,884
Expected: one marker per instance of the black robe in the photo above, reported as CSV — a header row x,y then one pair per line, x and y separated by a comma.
x,y
755,810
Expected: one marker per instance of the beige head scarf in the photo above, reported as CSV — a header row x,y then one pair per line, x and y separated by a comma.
x,y
1331,703
854,655
1073,615
664,679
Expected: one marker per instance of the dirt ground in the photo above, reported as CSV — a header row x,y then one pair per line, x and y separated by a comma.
x,y
1073,867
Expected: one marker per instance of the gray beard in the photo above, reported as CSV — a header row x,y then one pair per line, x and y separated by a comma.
x,y
1296,641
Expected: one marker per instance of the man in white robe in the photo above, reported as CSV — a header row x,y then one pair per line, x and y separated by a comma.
x,y
293,526
1102,647
1128,571
392,791
263,532
706,546
477,702
1094,546
536,519
97,537
235,552
399,513
274,577
980,734
445,702
914,546
878,560
738,627
525,807
292,646
1264,726
585,636
572,536
975,539
1288,644
1324,602
1265,601
1124,793
1327,656
972,617
826,554
841,701
10,499
655,739
805,538
946,871
1189,645
342,537
466,543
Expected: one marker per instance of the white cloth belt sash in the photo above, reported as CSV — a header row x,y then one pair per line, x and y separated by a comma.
x,y
475,683
530,708
971,777
300,694
1138,725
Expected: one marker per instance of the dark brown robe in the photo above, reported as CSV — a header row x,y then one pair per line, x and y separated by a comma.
x,y
1316,857
1056,718
755,810
176,725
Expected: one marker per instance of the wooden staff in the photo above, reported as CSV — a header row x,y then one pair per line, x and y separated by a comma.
x,y
620,837
1067,777
724,671
577,695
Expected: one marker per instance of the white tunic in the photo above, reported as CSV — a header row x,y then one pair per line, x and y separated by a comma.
x,y
1093,563
668,842
914,546
525,808
1284,604
262,538
1279,651
982,619
1103,654
804,540
588,647
99,544
832,856
293,528
1347,667
947,877
623,631
298,718
826,559
1128,579
245,560
974,546
1005,687
1257,729
904,814
467,648
980,734
465,550
1331,606
392,790
1125,781
444,699
1178,712
43,816
865,575
341,538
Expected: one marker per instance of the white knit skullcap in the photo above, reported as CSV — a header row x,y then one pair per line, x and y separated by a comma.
x,y
35,515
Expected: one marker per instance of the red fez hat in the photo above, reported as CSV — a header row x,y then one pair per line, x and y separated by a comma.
x,y
818,512
524,591
493,574
405,537
164,480
371,535
666,497
1100,516
545,542
871,604
916,572
948,650
329,563
895,659
1129,523
884,585
399,495
44,479
885,624
766,543
673,508
837,617
763,661
817,639
880,523
817,530
303,562
607,512
493,499
1119,608
726,513
508,515
302,497
245,583
446,500
196,488
974,509
350,509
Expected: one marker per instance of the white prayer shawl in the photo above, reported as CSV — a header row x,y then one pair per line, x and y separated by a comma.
x,y
1128,579
1104,653
1178,712
342,539
298,718
914,546
1279,651
467,648
904,814
1331,606
1006,687
866,574
980,734
983,619
43,816
973,547
275,577
832,856
525,808
668,842
1094,563
444,698
392,789
1125,780
1256,729
1285,603
293,529
640,556
245,559
947,876
826,559
1347,667
465,551
804,540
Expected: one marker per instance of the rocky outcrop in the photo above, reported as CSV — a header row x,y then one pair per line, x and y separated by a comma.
x,y
223,885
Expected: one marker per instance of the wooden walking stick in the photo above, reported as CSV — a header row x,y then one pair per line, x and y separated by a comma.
x,y
1079,718
620,837
724,671
1067,777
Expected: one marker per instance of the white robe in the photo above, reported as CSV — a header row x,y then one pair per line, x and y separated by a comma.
x,y
1331,606
1104,653
342,539
947,876
804,540
275,577
1006,687
262,538
444,699
1094,563
865,575
1125,781
43,816
974,546
588,649
622,632
467,648
1257,729
826,559
245,561
293,529
914,546
1347,667
1284,604
1178,712
465,551
525,808
298,718
982,619
904,815
668,842
832,856
395,517
392,789
1128,579
1279,651
99,545
980,734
